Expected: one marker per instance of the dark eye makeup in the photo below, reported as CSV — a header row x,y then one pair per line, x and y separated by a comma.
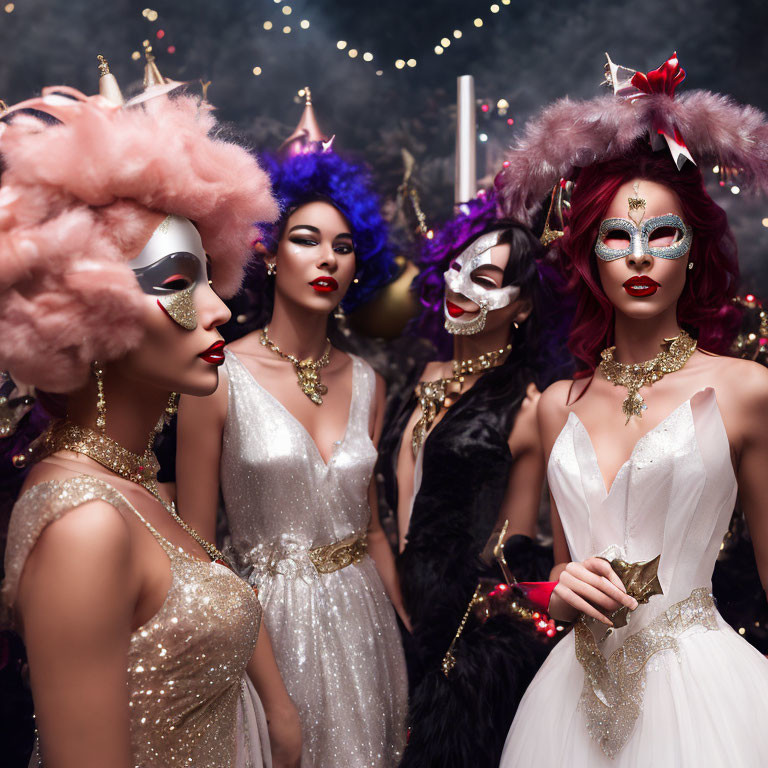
x,y
174,272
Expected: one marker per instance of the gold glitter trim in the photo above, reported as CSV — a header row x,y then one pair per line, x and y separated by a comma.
x,y
340,554
636,206
612,697
181,307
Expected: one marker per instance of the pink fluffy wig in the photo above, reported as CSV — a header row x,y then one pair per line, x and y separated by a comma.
x,y
78,201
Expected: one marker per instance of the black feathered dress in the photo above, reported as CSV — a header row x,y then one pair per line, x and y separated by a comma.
x,y
462,721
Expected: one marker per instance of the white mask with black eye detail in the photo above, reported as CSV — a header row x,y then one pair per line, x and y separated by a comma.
x,y
170,266
458,279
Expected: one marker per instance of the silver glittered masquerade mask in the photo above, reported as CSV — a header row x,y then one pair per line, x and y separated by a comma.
x,y
458,279
170,266
640,237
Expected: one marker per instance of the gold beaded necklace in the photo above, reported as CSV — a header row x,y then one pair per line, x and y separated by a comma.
x,y
674,354
142,470
432,394
307,371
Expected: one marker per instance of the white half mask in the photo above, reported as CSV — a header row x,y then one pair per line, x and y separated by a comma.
x,y
460,281
170,266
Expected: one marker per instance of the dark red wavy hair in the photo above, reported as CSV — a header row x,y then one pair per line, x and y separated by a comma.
x,y
704,309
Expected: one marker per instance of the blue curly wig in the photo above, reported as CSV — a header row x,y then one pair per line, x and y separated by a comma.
x,y
304,178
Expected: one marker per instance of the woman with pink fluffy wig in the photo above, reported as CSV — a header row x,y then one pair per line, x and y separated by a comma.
x,y
119,228
650,443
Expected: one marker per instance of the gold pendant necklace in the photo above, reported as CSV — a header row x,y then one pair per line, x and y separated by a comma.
x,y
307,371
432,394
673,356
63,435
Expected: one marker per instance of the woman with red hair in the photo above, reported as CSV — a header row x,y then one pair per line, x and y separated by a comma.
x,y
650,443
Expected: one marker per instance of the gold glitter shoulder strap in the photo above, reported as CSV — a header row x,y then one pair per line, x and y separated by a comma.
x,y
42,505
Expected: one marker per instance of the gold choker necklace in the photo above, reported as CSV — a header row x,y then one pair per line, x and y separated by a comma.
x,y
673,356
63,435
432,394
307,371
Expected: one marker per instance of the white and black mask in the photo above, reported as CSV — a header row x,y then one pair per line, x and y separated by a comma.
x,y
459,278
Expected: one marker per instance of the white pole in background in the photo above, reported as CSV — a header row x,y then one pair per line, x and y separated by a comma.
x,y
465,186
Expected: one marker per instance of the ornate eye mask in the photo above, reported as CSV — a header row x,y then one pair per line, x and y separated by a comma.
x,y
460,281
638,238
170,266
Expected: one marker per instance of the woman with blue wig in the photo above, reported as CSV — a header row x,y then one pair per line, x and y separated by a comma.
x,y
289,440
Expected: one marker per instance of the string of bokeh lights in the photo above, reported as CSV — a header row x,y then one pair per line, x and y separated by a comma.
x,y
367,56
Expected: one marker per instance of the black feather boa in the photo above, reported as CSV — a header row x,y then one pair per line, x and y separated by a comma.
x,y
463,720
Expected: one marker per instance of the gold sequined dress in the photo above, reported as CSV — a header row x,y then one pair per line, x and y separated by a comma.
x,y
676,687
190,701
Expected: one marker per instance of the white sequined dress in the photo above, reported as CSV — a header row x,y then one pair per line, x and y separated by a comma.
x,y
676,687
334,634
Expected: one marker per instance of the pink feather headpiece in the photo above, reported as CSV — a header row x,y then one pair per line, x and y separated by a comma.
x,y
699,126
78,201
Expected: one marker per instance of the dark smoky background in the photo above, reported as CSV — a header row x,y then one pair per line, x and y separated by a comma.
x,y
525,53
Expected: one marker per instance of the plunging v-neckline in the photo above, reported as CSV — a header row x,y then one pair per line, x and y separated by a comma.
x,y
640,441
293,419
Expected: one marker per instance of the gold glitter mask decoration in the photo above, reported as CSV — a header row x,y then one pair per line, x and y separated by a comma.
x,y
641,580
181,308
170,266
636,211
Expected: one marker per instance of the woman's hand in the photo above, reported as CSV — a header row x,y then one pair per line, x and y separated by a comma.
x,y
590,587
285,737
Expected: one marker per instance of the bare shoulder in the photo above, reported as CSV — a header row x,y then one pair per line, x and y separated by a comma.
x,y
553,409
381,385
94,529
434,369
525,431
80,578
748,378
88,543
210,406
555,398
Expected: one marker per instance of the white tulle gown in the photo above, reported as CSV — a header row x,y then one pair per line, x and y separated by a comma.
x,y
676,687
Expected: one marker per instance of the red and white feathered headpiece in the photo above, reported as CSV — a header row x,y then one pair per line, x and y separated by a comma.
x,y
700,126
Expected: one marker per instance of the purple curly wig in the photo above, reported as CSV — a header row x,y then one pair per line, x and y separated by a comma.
x,y
542,352
473,218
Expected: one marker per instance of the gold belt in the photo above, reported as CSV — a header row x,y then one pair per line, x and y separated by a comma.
x,y
340,554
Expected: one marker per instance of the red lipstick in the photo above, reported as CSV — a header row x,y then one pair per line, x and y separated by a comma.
x,y
641,285
454,310
214,354
325,284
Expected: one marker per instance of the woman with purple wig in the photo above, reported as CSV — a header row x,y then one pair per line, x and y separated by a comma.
x,y
462,462
651,442
290,441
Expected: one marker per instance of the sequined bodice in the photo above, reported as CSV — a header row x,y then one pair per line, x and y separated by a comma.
x,y
278,491
186,664
674,496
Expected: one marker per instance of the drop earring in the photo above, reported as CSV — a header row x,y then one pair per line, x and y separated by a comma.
x,y
271,268
101,404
